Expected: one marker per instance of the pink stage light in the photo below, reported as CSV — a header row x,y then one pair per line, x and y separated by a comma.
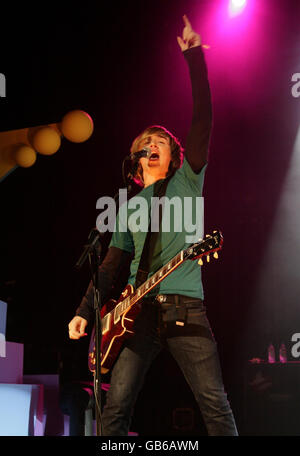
x,y
236,7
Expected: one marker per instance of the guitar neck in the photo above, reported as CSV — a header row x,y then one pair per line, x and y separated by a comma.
x,y
157,277
212,244
147,286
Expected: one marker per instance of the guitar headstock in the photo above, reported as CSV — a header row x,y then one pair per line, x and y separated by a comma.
x,y
210,245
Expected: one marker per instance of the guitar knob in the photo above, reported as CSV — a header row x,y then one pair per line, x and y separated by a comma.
x,y
200,262
216,255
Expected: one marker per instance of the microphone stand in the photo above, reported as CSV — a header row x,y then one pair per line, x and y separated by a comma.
x,y
92,251
98,334
128,176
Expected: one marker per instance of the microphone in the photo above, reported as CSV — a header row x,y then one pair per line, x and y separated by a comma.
x,y
134,158
145,152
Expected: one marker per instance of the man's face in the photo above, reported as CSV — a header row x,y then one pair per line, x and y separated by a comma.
x,y
160,157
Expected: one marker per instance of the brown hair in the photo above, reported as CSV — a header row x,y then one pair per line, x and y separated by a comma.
x,y
176,150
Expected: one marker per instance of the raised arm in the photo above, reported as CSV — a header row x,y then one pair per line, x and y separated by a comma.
x,y
198,138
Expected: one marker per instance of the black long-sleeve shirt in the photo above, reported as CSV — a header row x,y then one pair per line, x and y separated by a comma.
x,y
196,153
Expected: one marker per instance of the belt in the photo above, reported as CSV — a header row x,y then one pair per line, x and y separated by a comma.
x,y
181,302
177,299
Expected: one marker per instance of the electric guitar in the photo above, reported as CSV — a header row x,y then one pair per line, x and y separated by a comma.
x,y
117,317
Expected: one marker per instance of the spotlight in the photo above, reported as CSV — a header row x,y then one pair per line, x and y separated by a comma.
x,y
236,7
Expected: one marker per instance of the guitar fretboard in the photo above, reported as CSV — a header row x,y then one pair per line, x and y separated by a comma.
x,y
157,277
140,292
197,250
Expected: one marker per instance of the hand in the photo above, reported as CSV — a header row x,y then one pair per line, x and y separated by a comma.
x,y
189,37
77,327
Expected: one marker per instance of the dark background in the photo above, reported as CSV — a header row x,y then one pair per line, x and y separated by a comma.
x,y
122,65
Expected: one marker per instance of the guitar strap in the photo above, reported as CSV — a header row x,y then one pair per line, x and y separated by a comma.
x,y
159,191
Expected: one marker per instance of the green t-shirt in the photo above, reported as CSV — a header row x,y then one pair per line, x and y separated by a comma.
x,y
182,224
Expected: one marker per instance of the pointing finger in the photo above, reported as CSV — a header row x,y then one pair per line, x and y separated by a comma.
x,y
186,21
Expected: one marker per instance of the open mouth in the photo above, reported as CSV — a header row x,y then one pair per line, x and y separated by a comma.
x,y
154,156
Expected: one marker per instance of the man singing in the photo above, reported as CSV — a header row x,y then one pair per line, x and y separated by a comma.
x,y
173,314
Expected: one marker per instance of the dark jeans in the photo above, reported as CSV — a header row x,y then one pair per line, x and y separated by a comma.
x,y
192,346
73,401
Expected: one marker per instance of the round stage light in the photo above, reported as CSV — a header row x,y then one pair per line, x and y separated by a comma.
x,y
77,126
25,156
46,140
